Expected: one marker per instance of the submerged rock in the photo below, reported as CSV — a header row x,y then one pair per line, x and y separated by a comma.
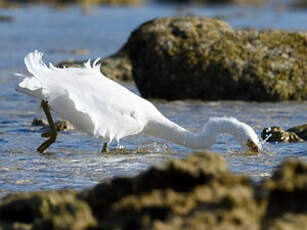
x,y
62,125
300,130
292,135
201,58
39,122
196,193
7,18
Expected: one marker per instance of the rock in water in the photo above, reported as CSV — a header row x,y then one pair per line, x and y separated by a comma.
x,y
292,135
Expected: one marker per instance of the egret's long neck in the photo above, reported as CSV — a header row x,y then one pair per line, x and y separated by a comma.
x,y
170,131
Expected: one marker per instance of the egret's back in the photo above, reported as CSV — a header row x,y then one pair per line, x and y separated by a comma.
x,y
85,97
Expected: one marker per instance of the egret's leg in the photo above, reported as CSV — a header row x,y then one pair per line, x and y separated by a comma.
x,y
53,130
105,148
46,134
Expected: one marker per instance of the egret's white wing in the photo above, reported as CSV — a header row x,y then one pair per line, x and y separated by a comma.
x,y
92,102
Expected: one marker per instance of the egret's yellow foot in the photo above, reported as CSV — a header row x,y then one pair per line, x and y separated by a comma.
x,y
105,148
52,134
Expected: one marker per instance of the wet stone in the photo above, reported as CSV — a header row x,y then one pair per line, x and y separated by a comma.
x,y
292,135
62,125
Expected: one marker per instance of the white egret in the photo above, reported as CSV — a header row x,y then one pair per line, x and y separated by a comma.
x,y
104,109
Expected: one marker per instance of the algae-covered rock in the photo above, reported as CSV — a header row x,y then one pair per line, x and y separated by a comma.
x,y
300,130
292,135
116,67
286,202
61,125
39,122
201,58
198,192
45,210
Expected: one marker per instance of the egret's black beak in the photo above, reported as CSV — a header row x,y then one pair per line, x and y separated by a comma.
x,y
252,146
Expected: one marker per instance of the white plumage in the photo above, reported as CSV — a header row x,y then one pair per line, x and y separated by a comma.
x,y
101,107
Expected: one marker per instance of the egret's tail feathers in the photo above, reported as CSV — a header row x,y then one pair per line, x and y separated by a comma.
x,y
30,86
34,63
46,81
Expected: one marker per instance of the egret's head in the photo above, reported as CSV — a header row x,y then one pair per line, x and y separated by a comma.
x,y
250,139
242,132
253,146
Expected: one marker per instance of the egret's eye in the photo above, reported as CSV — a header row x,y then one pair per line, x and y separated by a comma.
x,y
252,146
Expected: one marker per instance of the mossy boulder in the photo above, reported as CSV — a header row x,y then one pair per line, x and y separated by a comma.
x,y
201,58
292,135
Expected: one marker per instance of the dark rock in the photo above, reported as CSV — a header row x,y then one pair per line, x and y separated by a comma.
x,y
39,122
201,58
116,67
197,193
300,130
292,135
286,202
6,18
62,125
45,210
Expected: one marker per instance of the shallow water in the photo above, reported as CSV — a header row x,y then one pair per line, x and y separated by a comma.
x,y
73,161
